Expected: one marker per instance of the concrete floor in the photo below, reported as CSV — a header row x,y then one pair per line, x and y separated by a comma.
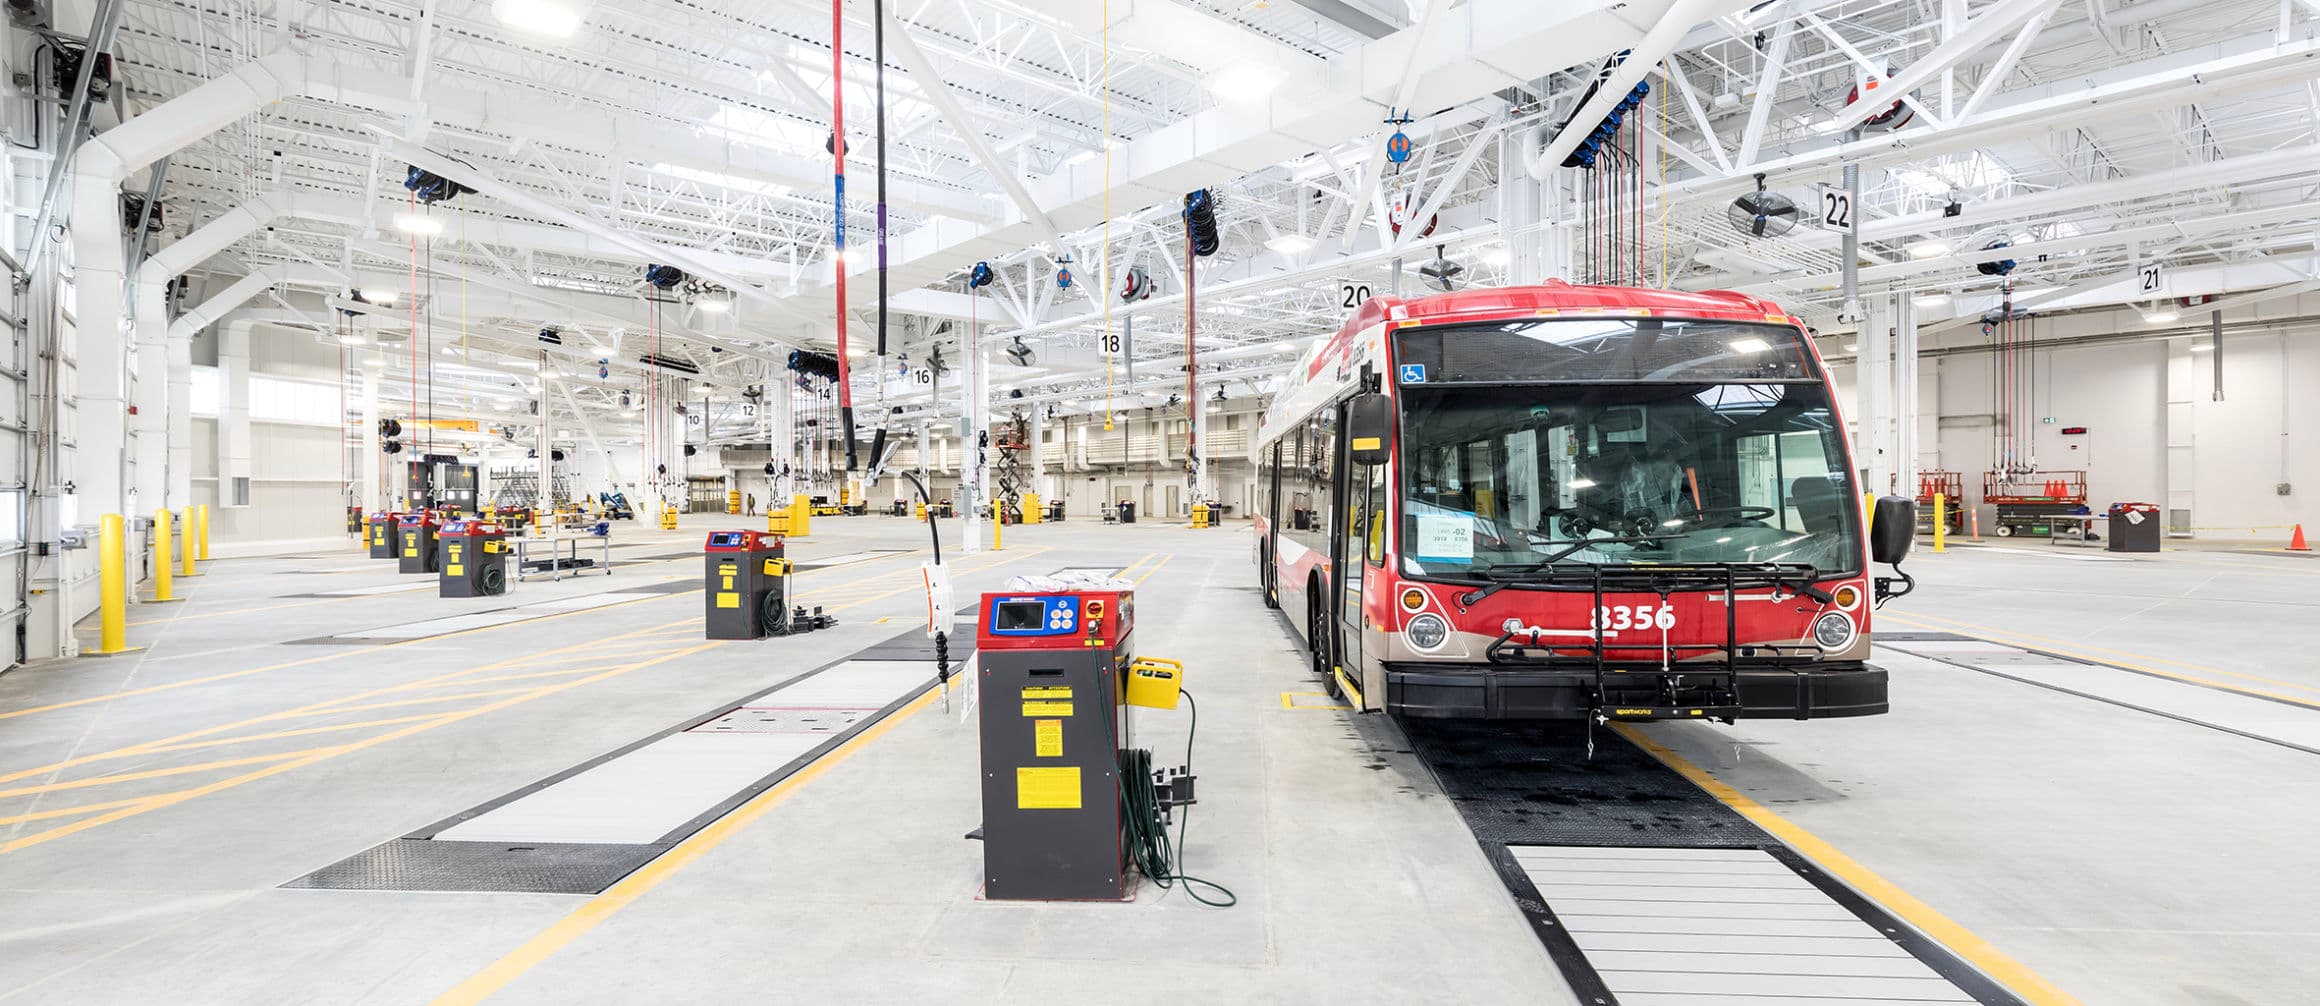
x,y
2123,856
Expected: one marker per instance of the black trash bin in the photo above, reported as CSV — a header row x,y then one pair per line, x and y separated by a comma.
x,y
1127,511
2134,527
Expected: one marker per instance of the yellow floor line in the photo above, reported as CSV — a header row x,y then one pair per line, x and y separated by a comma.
x,y
1147,574
1936,926
230,675
2067,650
160,801
483,984
335,710
86,808
158,773
279,734
327,705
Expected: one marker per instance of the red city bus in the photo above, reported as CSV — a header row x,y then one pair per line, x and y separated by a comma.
x,y
1574,502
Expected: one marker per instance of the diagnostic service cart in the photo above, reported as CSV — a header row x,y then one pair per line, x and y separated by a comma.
x,y
746,584
474,559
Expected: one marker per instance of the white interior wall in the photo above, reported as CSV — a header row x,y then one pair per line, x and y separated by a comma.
x,y
2119,393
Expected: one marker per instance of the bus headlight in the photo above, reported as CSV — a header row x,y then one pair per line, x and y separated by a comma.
x,y
1833,631
1426,632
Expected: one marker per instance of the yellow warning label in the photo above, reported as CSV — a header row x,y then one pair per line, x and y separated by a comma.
x,y
729,600
1047,709
1047,788
728,584
1047,692
454,569
728,569
1047,738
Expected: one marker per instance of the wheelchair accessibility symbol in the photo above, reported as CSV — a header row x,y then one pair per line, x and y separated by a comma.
x,y
1413,373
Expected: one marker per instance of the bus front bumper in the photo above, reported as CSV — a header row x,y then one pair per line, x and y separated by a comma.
x,y
1474,691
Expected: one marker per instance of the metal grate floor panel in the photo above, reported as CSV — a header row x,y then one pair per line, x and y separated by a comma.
x,y
485,867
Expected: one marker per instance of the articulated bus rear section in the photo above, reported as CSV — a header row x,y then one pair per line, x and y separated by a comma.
x,y
1574,502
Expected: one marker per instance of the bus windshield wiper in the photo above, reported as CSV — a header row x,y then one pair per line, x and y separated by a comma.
x,y
1506,575
1801,581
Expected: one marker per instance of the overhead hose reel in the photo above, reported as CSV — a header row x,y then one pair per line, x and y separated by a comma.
x,y
1583,156
664,277
2000,267
1200,221
431,188
980,276
812,364
1137,286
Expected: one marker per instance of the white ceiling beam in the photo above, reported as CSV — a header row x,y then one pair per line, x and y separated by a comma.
x,y
1978,34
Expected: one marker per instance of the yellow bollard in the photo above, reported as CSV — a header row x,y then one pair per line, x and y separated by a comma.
x,y
1868,512
201,522
112,587
919,511
801,515
161,556
1940,522
185,545
1200,515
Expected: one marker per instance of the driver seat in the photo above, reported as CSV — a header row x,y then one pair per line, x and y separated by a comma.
x,y
1818,504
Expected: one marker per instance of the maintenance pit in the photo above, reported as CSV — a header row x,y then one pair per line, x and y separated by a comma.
x,y
320,783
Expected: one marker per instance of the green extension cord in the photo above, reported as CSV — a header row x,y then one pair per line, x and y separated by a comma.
x,y
1148,842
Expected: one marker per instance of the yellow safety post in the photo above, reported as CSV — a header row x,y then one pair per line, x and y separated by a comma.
x,y
1940,522
801,515
998,520
733,501
1200,515
112,587
201,521
918,510
1868,512
185,545
161,556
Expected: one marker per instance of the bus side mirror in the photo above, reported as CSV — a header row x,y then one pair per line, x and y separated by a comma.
x,y
1369,428
1892,529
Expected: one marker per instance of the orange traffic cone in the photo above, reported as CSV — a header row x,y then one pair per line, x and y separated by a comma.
x,y
2296,541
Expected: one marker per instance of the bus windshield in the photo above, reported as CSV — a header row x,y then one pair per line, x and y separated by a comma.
x,y
1624,474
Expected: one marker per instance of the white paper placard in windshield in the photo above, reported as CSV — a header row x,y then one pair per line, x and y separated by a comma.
x,y
1445,539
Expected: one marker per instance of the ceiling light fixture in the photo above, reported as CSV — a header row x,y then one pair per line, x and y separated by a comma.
x,y
1930,301
554,18
350,339
412,223
2160,317
1929,248
1245,82
1290,244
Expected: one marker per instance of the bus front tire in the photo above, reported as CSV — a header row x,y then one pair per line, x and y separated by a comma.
x,y
1317,636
